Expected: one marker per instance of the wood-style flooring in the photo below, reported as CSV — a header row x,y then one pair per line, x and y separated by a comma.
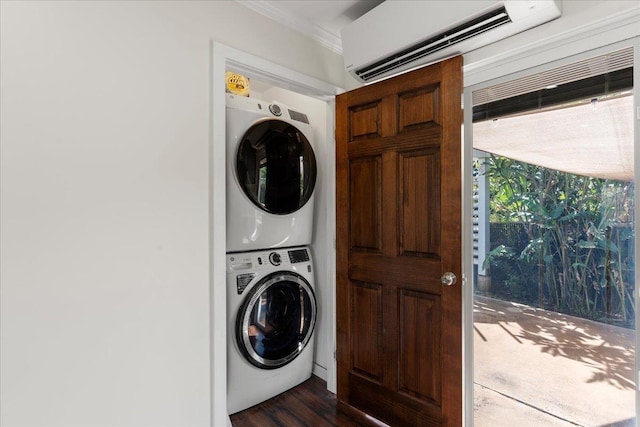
x,y
309,404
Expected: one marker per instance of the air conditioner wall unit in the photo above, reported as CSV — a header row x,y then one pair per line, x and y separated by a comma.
x,y
399,35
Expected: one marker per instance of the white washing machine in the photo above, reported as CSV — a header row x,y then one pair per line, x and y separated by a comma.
x,y
271,175
271,313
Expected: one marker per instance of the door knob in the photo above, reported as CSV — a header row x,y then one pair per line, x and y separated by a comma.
x,y
448,279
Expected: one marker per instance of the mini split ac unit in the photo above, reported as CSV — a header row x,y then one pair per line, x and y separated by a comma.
x,y
399,35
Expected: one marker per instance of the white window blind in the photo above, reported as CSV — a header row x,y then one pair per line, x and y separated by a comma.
x,y
591,67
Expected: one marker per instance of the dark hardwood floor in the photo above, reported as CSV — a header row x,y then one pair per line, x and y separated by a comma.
x,y
309,404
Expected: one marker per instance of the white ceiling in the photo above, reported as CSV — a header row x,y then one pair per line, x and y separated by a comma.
x,y
321,20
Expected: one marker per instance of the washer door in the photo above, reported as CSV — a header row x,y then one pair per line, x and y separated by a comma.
x,y
276,320
276,167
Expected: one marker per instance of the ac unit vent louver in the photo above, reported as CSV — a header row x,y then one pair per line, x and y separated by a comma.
x,y
482,24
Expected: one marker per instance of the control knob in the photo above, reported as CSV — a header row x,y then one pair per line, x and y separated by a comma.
x,y
275,110
274,258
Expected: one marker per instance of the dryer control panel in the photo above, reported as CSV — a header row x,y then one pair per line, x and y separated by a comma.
x,y
276,109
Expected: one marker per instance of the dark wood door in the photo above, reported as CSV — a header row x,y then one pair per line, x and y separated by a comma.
x,y
399,330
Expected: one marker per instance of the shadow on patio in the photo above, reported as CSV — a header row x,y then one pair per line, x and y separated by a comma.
x,y
534,367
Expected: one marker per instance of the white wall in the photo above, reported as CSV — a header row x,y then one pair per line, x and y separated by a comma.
x,y
104,216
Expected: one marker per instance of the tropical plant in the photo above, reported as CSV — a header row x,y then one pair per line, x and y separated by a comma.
x,y
579,249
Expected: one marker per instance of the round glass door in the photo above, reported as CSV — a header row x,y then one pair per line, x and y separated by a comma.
x,y
276,320
276,167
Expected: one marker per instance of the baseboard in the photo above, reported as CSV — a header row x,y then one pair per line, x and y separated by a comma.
x,y
320,371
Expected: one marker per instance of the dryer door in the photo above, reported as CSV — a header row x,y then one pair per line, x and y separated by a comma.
x,y
276,320
276,167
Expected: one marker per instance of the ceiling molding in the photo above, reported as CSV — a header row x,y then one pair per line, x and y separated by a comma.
x,y
317,33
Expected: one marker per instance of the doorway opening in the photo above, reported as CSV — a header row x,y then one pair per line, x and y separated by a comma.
x,y
554,289
225,58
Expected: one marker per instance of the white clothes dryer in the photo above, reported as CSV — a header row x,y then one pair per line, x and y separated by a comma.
x,y
271,175
271,313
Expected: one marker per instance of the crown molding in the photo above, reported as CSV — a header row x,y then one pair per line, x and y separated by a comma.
x,y
280,15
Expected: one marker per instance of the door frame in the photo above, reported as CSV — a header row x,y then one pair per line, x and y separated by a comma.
x,y
569,55
221,57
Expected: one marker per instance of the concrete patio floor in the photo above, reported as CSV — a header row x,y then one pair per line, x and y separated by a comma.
x,y
534,367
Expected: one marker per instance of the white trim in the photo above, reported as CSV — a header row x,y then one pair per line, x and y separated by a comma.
x,y
636,223
222,57
319,371
330,185
217,241
277,75
467,263
281,16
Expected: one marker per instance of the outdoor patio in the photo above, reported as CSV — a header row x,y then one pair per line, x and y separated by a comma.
x,y
539,368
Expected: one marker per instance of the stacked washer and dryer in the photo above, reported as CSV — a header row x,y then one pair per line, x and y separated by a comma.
x,y
271,304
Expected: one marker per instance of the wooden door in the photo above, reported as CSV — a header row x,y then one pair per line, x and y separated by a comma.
x,y
399,330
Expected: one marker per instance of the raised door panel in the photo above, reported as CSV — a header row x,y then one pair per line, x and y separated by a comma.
x,y
418,108
420,203
364,121
366,330
419,350
364,199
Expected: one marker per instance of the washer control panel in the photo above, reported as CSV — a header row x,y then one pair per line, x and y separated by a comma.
x,y
246,267
275,258
254,261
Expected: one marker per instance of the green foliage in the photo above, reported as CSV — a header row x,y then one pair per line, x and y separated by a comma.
x,y
579,239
